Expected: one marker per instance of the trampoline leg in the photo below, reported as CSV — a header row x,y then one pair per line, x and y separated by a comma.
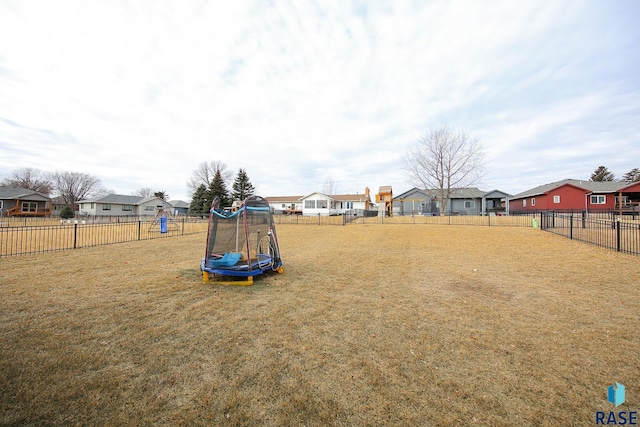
x,y
205,277
280,270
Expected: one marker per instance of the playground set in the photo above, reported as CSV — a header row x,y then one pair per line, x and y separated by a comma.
x,y
240,244
163,220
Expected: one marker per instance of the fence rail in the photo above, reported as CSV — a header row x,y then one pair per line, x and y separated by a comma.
x,y
615,234
37,235
60,235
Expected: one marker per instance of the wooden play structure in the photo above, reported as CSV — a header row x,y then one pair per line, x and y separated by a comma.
x,y
384,199
163,220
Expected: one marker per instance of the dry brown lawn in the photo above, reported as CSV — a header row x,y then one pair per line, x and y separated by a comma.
x,y
369,325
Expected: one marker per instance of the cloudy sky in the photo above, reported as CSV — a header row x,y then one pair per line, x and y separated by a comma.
x,y
139,93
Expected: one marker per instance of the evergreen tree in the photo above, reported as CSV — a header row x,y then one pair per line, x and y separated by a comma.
x,y
602,174
632,176
162,195
67,212
198,201
242,187
218,188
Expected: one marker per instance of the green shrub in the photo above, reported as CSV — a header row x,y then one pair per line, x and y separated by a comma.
x,y
66,212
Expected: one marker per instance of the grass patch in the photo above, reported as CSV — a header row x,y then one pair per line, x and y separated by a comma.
x,y
369,325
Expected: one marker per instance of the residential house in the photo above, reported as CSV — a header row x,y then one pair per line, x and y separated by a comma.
x,y
473,201
286,204
178,207
414,202
16,201
57,204
321,204
573,194
338,204
121,205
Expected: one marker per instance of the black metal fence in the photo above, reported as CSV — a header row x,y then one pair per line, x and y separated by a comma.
x,y
57,235
30,236
611,232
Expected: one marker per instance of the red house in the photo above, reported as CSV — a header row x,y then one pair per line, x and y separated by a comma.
x,y
573,194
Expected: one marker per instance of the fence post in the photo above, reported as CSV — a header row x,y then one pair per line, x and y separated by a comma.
x,y
75,235
618,234
183,226
571,226
139,226
542,225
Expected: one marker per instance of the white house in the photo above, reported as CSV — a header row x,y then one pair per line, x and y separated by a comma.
x,y
322,204
338,204
285,204
120,205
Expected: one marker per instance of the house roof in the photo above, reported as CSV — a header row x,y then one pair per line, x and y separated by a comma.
x,y
460,193
285,199
495,194
8,193
338,197
594,187
413,193
385,189
178,204
121,199
350,197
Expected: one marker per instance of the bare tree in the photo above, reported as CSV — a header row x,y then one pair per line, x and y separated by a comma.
x,y
143,192
33,179
329,186
206,171
75,186
444,160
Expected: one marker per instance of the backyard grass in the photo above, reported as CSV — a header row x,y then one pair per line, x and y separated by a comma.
x,y
369,325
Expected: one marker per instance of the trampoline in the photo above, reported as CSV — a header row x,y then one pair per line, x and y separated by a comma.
x,y
241,244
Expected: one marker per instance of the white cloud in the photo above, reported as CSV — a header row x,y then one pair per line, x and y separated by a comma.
x,y
139,94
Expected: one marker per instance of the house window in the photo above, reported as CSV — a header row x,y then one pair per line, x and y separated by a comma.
x,y
321,204
349,205
556,199
127,208
106,207
524,203
533,201
1,205
148,208
283,206
625,201
93,205
598,200
309,204
469,204
29,207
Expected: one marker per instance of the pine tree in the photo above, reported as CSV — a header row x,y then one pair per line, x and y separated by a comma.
x,y
632,176
242,187
162,195
218,188
198,201
602,174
